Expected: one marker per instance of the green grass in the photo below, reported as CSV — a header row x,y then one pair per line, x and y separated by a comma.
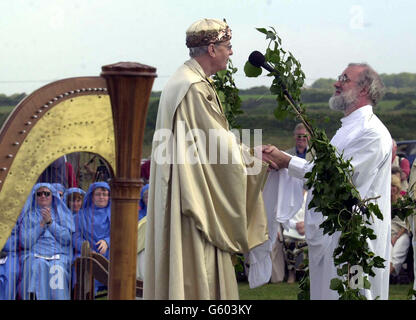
x,y
271,291
285,291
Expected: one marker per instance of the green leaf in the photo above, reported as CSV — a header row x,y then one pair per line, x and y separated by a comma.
x,y
280,114
262,30
336,284
251,71
271,35
367,284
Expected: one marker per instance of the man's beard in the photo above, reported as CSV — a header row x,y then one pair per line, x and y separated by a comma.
x,y
344,101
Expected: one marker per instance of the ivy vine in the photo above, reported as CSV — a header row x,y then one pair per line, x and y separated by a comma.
x,y
228,94
333,193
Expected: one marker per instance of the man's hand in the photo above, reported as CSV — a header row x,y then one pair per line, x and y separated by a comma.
x,y
300,228
258,152
46,216
276,158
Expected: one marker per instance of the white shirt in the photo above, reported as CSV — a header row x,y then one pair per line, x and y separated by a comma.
x,y
365,139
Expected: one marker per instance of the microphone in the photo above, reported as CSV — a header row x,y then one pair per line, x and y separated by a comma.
x,y
258,60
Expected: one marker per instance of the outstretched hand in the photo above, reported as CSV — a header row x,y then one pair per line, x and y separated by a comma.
x,y
267,157
259,153
276,158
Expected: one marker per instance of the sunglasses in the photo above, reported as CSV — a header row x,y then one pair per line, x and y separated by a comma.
x,y
301,136
45,193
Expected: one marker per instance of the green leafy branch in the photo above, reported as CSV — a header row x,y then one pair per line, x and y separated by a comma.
x,y
334,194
228,94
404,207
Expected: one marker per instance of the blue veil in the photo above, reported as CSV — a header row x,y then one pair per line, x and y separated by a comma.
x,y
61,211
94,221
143,206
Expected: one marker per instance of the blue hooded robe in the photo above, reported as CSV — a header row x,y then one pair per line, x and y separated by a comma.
x,y
67,193
143,206
94,224
47,251
9,267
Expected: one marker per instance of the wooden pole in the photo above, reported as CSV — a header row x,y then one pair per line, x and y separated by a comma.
x,y
129,85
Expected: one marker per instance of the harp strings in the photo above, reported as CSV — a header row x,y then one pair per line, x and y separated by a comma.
x,y
30,246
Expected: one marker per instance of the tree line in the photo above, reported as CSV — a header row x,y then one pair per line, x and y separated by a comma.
x,y
324,86
11,100
401,80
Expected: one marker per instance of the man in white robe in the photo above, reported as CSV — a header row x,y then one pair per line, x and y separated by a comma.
x,y
365,139
202,208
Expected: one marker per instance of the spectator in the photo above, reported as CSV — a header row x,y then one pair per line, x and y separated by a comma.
x,y
400,239
9,267
94,223
401,162
295,243
143,201
397,171
45,230
95,217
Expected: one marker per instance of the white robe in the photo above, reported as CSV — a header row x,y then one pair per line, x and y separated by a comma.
x,y
282,194
365,139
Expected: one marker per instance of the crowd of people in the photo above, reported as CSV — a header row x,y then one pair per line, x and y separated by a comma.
x,y
37,260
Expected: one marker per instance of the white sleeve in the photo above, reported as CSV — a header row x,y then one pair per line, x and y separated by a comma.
x,y
298,167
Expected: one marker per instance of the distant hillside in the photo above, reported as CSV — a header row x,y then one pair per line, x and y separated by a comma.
x,y
397,110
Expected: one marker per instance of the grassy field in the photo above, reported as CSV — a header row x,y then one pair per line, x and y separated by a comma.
x,y
285,291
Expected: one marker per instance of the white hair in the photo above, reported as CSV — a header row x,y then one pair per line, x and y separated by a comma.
x,y
198,51
368,78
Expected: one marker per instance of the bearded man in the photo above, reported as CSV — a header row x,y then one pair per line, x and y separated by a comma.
x,y
364,139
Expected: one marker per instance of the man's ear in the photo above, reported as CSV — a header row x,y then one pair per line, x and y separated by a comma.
x,y
364,91
211,50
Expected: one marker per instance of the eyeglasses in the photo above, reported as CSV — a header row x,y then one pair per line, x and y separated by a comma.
x,y
228,46
301,136
45,193
101,194
343,78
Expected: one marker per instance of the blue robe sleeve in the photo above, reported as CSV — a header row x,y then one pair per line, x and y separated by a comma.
x,y
107,239
11,243
30,232
61,234
77,241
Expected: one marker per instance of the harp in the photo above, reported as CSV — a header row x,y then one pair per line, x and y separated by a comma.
x,y
103,115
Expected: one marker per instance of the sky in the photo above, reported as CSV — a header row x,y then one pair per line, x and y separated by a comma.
x,y
43,40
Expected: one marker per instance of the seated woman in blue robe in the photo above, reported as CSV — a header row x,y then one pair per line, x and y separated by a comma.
x,y
9,267
60,188
143,201
73,198
94,221
45,234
